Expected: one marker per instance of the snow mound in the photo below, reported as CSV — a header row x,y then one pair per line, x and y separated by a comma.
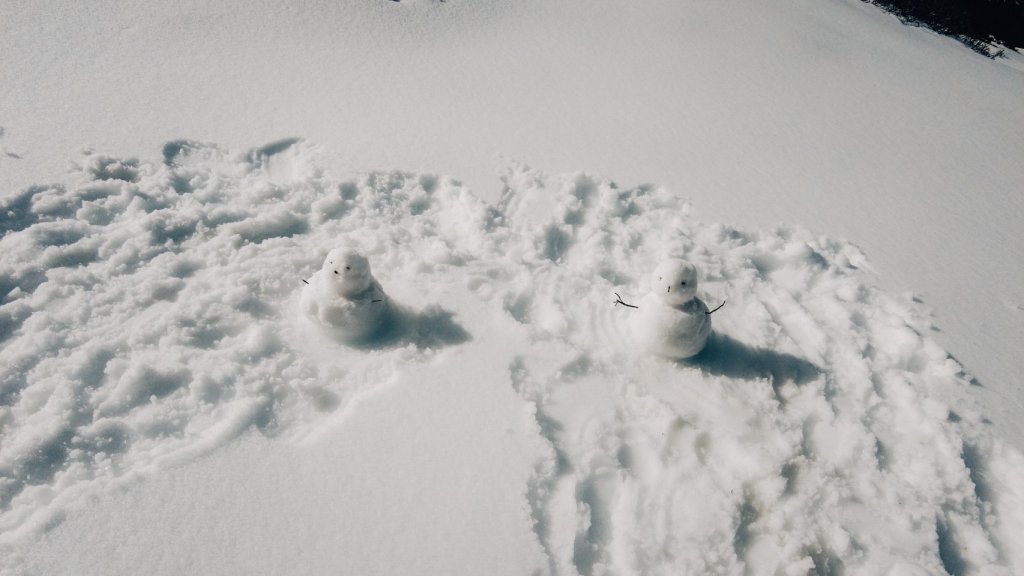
x,y
150,314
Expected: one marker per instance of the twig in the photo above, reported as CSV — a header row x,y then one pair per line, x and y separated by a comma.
x,y
716,309
618,300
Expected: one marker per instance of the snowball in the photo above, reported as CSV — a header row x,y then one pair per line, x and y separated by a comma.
x,y
674,281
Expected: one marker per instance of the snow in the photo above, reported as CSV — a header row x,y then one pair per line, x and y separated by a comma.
x,y
847,184
346,302
820,427
673,322
830,114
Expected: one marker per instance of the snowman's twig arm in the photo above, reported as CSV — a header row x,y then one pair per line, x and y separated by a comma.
x,y
716,309
618,300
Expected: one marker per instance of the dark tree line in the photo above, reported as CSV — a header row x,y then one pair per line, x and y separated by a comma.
x,y
976,23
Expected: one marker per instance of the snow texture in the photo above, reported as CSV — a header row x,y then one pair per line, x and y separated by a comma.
x,y
150,315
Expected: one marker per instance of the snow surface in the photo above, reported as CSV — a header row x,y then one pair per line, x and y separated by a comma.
x,y
824,113
346,303
156,319
149,326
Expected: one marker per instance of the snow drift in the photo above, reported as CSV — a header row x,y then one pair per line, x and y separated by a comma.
x,y
150,314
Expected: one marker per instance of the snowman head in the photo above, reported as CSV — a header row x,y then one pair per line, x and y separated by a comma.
x,y
347,272
674,281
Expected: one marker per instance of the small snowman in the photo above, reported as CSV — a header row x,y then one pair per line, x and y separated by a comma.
x,y
671,321
345,299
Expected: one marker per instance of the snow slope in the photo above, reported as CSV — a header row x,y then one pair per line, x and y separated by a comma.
x,y
150,317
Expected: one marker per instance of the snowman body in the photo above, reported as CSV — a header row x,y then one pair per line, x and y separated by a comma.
x,y
672,321
345,299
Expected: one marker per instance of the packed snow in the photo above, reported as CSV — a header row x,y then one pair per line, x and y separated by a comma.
x,y
673,322
153,313
346,301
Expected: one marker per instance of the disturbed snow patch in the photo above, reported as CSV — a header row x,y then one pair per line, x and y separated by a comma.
x,y
820,430
150,313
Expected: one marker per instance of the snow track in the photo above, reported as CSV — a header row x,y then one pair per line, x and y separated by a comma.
x,y
149,316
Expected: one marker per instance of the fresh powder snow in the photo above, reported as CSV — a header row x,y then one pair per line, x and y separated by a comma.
x,y
152,315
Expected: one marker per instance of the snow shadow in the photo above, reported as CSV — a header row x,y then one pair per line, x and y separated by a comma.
x,y
726,356
433,327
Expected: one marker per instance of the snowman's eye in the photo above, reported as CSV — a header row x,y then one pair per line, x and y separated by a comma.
x,y
348,267
335,271
683,284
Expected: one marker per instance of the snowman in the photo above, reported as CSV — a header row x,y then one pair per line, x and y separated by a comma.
x,y
671,321
345,299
